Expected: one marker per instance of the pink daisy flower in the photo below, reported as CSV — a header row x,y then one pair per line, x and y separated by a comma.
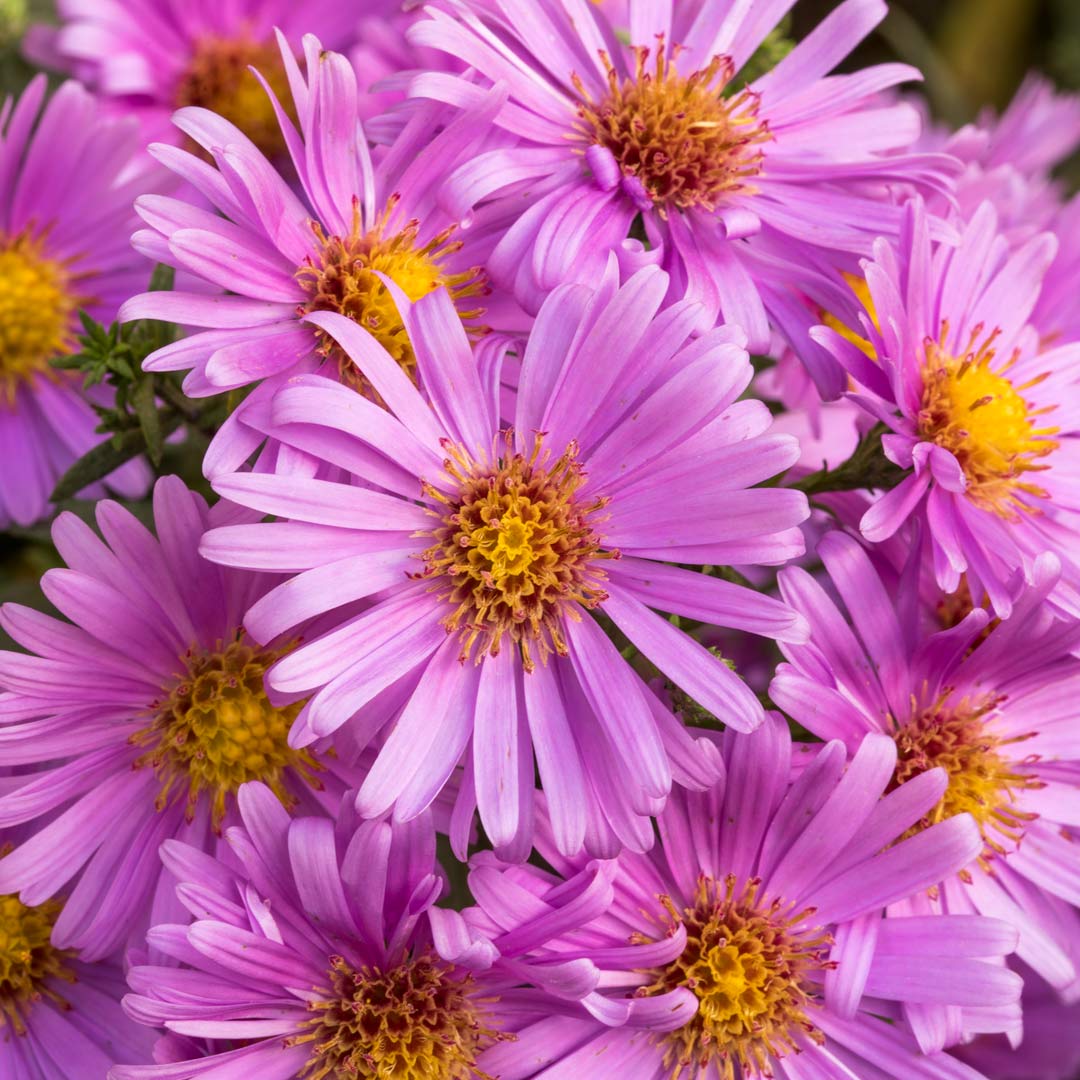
x,y
773,892
60,1018
66,185
993,707
329,248
317,952
738,188
514,548
980,410
147,58
141,716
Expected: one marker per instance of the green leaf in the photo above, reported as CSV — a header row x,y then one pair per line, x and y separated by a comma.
x,y
105,458
142,401
868,467
162,279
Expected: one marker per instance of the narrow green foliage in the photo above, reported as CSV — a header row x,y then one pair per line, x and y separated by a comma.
x,y
867,468
146,407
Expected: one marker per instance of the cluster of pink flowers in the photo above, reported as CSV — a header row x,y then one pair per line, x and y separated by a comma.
x,y
628,623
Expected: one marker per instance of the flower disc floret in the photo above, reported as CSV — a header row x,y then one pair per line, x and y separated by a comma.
x,y
219,78
36,307
983,782
748,962
345,278
685,142
982,419
216,729
516,547
415,1021
27,958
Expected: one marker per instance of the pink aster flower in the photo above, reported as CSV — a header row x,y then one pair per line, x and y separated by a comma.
x,y
515,548
980,410
147,58
991,704
59,1017
739,188
328,248
66,187
317,952
1009,159
773,893
141,716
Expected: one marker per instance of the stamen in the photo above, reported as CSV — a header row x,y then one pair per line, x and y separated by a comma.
x,y
216,729
983,781
970,408
516,549
28,961
749,963
681,139
345,279
417,1021
219,79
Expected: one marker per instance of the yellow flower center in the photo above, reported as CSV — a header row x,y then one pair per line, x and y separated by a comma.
x,y
862,293
983,782
687,144
218,78
345,279
36,309
977,414
216,729
515,551
27,959
748,964
417,1021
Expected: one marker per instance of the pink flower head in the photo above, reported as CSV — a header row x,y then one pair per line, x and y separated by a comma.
x,y
769,894
495,559
318,952
141,716
994,707
328,248
66,185
980,409
740,188
59,1017
147,58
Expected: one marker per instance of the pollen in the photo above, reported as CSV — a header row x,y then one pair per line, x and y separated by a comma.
x,y
216,729
417,1021
976,413
345,278
219,78
682,139
29,964
749,963
36,309
516,550
984,779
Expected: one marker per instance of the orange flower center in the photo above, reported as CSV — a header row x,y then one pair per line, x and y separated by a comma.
x,y
345,278
515,550
417,1021
216,729
219,79
978,415
748,964
681,138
